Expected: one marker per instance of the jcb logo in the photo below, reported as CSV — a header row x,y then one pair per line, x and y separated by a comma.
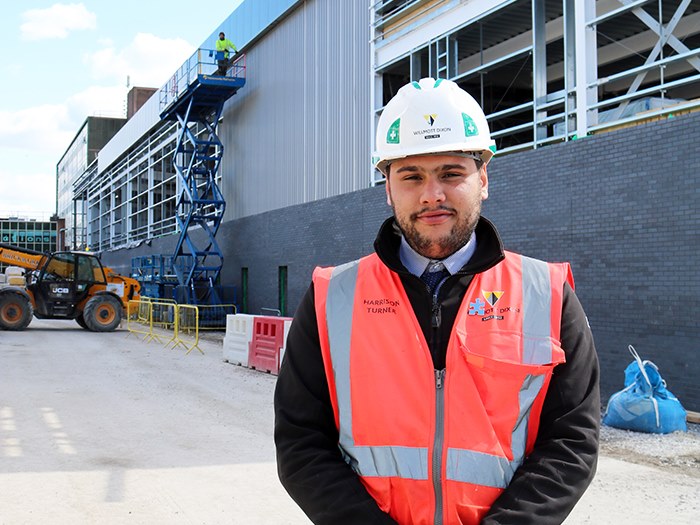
x,y
59,291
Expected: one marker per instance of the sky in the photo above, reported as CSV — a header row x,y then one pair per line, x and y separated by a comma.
x,y
62,62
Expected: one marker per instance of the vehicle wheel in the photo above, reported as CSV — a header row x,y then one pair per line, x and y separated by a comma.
x,y
15,311
102,313
81,321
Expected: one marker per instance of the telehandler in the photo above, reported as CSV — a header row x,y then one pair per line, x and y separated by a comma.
x,y
62,285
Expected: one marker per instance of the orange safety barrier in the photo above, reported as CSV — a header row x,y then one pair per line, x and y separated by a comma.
x,y
268,341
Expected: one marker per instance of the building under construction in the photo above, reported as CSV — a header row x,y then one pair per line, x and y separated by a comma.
x,y
593,106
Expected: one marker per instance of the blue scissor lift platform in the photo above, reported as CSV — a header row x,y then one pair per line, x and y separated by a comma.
x,y
195,97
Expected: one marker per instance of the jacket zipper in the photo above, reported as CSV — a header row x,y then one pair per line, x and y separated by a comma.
x,y
436,321
437,446
436,309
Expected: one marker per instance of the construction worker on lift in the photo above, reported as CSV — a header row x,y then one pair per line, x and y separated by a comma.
x,y
223,46
442,379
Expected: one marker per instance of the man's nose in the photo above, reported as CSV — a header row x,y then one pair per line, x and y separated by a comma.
x,y
433,191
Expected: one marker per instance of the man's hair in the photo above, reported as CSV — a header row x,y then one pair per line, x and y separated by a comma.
x,y
222,33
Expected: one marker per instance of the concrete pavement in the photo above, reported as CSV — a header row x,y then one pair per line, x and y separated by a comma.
x,y
103,428
107,429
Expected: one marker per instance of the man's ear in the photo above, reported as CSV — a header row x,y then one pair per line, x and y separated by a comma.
x,y
388,191
484,183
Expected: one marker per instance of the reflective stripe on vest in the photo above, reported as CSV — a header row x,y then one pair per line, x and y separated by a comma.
x,y
478,468
536,311
403,462
462,465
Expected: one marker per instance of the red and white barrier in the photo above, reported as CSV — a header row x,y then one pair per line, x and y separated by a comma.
x,y
256,341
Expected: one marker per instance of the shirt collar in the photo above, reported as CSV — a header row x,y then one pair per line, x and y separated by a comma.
x,y
416,263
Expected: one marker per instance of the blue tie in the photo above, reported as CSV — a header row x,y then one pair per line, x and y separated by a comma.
x,y
434,274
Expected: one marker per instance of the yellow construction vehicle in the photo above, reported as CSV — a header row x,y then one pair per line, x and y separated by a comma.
x,y
62,285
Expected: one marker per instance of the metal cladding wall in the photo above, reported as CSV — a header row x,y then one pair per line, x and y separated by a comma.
x,y
620,206
300,128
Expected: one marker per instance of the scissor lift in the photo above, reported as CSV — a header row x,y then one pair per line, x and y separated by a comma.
x,y
195,96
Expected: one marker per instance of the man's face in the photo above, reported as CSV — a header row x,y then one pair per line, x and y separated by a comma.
x,y
221,36
436,201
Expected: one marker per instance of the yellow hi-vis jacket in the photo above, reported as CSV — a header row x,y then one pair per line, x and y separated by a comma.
x,y
224,45
439,446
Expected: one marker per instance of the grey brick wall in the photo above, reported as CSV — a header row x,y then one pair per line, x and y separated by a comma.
x,y
620,206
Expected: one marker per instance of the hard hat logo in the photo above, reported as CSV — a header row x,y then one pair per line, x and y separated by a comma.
x,y
470,129
431,117
392,136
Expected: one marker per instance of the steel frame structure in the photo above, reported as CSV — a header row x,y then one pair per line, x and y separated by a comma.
x,y
545,70
134,199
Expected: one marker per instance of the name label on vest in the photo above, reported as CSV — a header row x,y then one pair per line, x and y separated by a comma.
x,y
381,306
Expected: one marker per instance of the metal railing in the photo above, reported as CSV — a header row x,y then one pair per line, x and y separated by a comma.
x,y
202,63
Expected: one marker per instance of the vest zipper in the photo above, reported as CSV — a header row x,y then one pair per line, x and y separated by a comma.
x,y
437,445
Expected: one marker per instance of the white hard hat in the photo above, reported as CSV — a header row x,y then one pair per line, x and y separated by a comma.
x,y
431,116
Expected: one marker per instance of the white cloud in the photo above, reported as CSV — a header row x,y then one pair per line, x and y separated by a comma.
x,y
37,128
45,132
32,140
26,193
147,61
101,101
56,21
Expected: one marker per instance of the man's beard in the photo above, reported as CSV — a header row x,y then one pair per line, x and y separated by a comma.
x,y
444,246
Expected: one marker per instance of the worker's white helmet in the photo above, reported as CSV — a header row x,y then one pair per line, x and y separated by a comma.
x,y
431,116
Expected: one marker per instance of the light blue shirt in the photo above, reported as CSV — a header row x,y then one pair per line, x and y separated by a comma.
x,y
416,263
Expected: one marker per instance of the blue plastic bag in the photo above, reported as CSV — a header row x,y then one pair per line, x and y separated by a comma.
x,y
645,404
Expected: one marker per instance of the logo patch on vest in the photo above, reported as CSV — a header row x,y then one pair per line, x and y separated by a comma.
x,y
487,310
492,297
381,306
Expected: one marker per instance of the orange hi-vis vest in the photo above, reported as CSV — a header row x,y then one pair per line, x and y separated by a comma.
x,y
439,446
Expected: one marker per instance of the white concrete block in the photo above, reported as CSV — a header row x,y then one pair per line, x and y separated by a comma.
x,y
239,332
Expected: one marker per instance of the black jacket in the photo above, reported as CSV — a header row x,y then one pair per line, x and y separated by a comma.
x,y
545,487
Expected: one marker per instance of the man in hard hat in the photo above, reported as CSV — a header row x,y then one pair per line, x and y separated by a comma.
x,y
442,379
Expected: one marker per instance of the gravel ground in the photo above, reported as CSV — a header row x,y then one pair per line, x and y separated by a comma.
x,y
676,452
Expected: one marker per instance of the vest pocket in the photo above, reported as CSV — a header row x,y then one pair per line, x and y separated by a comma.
x,y
471,514
510,392
508,363
510,350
